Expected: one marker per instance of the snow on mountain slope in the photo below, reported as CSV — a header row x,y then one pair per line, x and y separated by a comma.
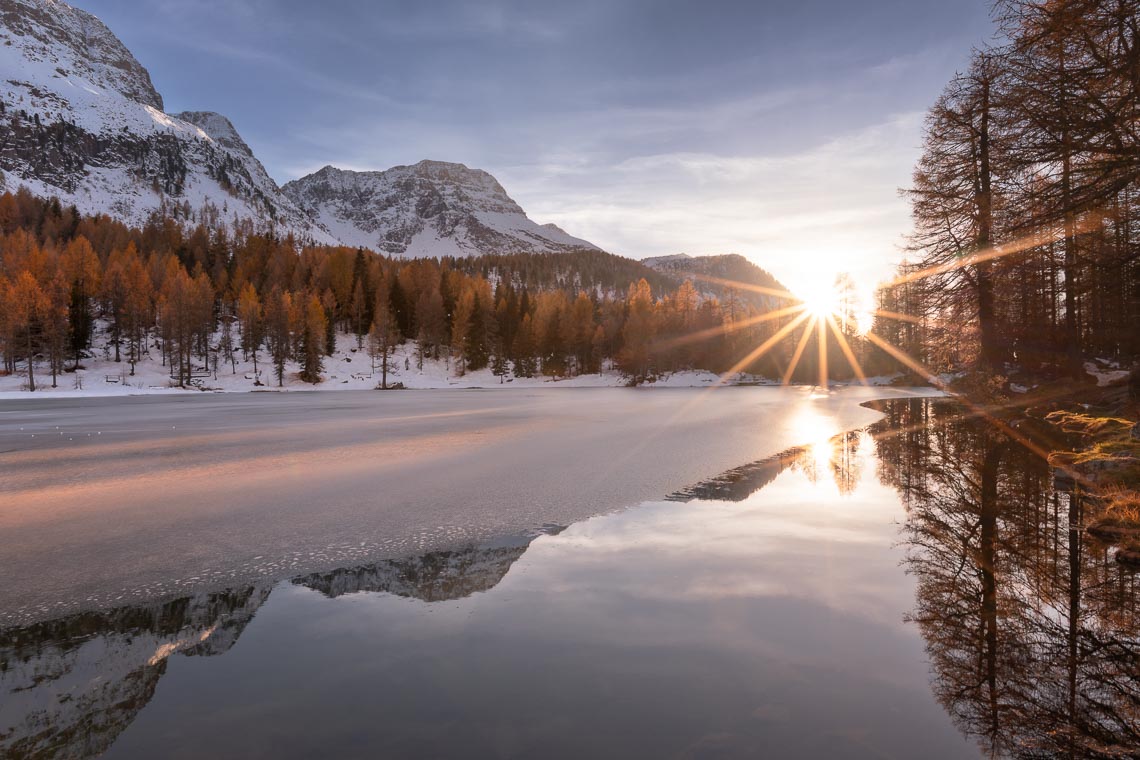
x,y
81,120
433,208
76,46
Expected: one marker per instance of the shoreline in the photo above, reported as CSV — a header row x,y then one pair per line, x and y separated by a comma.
x,y
348,368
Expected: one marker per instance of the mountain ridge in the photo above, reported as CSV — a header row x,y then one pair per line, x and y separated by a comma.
x,y
724,275
430,208
81,120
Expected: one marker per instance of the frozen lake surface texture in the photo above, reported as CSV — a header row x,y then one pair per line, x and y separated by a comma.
x,y
750,572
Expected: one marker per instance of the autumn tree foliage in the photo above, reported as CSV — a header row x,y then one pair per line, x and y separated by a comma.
x,y
1026,199
71,286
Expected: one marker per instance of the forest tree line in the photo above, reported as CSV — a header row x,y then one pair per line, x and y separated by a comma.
x,y
199,297
1025,199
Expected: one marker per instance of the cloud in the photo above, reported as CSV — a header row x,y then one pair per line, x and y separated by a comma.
x,y
646,127
833,207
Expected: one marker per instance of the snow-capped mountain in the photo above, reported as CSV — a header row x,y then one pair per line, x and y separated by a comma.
x,y
81,120
430,209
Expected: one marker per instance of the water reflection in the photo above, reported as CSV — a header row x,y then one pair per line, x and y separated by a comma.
x,y
760,613
434,577
69,687
834,457
1031,628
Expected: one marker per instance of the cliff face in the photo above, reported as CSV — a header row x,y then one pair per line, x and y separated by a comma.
x,y
81,120
430,209
77,46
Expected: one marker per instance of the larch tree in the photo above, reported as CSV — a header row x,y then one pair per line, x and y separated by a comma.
x,y
312,340
139,306
26,304
250,318
953,200
385,332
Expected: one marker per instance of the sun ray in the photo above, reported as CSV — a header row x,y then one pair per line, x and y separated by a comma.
x,y
712,332
778,293
1001,425
1034,240
961,415
845,347
762,349
896,315
798,353
822,327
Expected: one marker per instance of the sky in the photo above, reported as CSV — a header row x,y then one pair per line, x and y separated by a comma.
x,y
782,131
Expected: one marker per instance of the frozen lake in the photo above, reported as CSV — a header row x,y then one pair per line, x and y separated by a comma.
x,y
561,585
145,496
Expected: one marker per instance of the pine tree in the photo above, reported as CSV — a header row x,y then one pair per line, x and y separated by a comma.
x,y
278,322
500,368
82,269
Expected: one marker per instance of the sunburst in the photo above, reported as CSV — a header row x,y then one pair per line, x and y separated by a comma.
x,y
823,310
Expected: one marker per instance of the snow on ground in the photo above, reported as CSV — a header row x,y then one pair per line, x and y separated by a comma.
x,y
1105,376
349,368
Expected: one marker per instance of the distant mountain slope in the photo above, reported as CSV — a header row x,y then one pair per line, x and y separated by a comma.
x,y
432,208
591,270
711,275
81,120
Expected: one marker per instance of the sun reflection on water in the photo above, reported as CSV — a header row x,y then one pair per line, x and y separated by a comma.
x,y
814,432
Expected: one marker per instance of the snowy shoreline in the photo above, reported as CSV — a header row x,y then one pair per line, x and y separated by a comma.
x,y
348,368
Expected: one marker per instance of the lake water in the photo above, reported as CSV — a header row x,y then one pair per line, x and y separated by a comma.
x,y
909,589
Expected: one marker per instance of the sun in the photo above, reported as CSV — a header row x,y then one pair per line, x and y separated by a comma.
x,y
821,302
846,308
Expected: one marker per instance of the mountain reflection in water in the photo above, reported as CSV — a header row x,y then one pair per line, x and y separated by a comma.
x,y
719,622
69,687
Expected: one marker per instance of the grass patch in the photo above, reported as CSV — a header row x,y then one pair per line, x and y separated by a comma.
x,y
1122,506
1087,424
1111,461
1111,457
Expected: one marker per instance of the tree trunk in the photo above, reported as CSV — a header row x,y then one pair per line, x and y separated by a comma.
x,y
31,371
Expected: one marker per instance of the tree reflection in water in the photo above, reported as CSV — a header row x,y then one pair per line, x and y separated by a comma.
x,y
1030,626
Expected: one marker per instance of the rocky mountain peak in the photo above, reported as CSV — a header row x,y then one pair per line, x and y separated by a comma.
x,y
431,208
85,124
217,128
77,44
